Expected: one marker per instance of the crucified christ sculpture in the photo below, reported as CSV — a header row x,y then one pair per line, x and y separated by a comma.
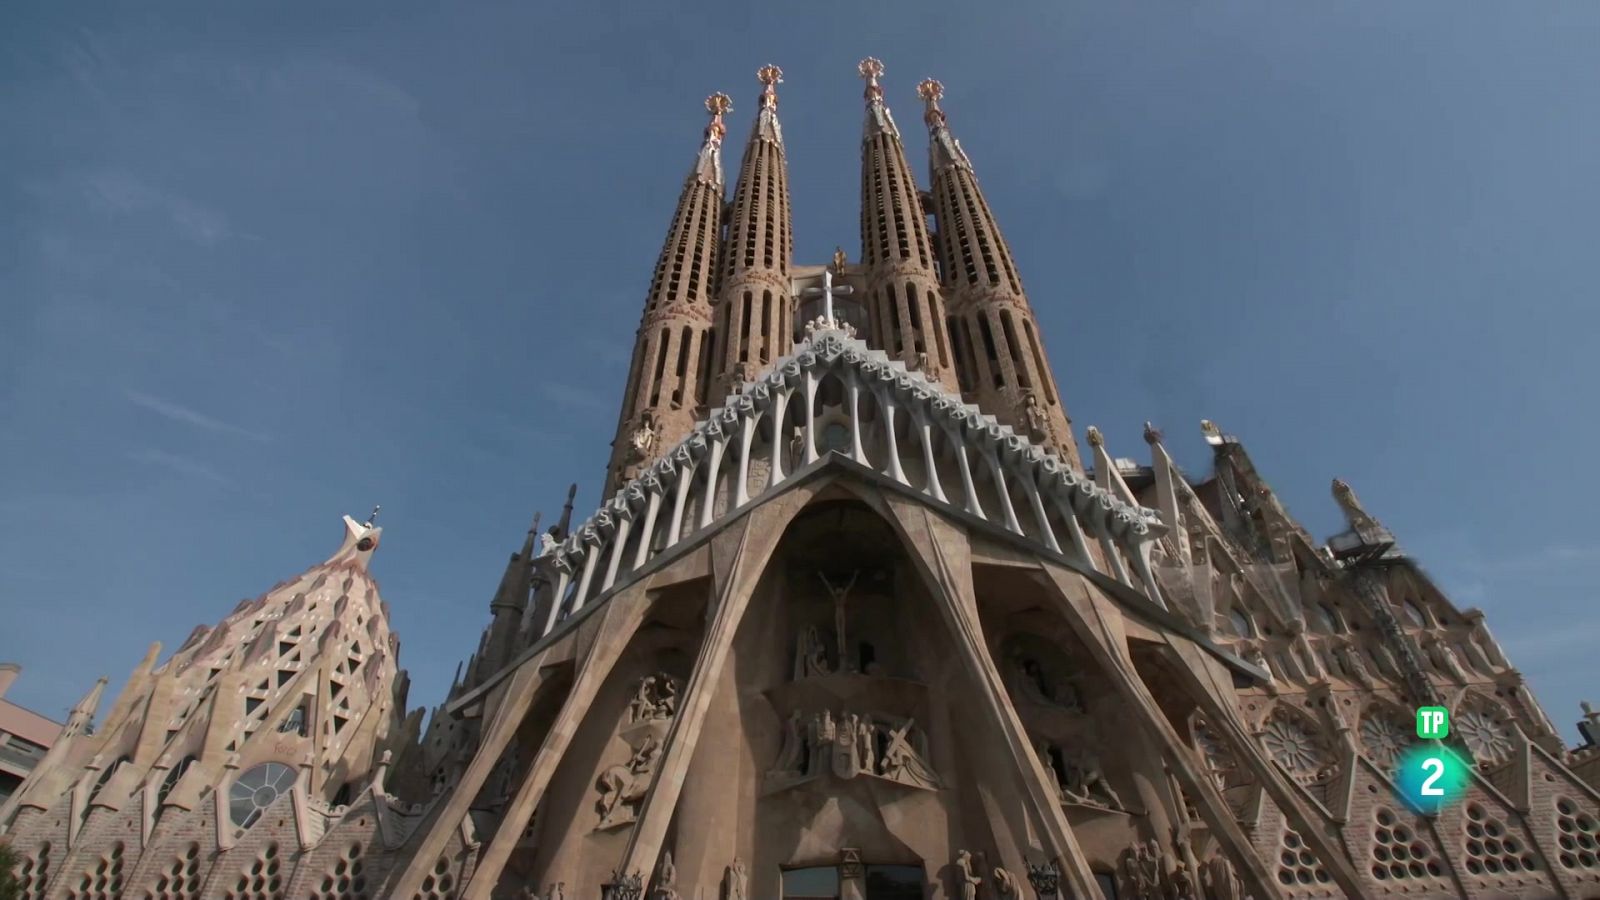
x,y
839,595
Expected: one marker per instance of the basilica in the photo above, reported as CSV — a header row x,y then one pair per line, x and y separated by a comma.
x,y
857,617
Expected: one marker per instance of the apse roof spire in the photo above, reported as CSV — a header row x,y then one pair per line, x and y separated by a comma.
x,y
878,118
374,517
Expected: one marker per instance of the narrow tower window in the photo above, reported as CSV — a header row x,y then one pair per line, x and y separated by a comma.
x,y
985,332
685,347
914,310
766,327
661,367
744,330
1015,346
964,366
702,381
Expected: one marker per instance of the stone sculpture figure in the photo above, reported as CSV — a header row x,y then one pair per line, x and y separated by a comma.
x,y
645,437
623,787
1354,666
1150,868
1038,423
810,657
966,880
558,891
846,746
735,881
1220,881
1085,783
902,763
840,595
1005,884
1141,871
655,698
666,879
1448,661
789,757
867,743
639,707
1043,748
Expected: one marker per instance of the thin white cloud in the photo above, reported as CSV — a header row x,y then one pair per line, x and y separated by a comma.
x,y
116,194
182,465
177,412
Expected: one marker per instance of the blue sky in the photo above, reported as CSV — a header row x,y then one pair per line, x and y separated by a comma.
x,y
265,266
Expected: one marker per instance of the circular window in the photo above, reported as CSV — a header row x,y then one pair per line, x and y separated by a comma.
x,y
256,790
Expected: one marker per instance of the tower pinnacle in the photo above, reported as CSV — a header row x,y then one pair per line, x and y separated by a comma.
x,y
709,167
878,117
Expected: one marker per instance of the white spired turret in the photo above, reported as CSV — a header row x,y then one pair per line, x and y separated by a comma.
x,y
247,742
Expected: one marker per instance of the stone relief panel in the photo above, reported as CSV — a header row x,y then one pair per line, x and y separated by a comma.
x,y
649,715
848,745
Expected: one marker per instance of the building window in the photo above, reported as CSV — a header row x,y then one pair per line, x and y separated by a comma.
x,y
256,790
294,722
894,883
818,883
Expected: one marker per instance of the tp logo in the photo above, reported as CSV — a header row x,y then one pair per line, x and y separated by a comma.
x,y
1433,723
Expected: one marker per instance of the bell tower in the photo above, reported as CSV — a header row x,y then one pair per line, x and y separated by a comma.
x,y
755,305
999,350
672,351
905,307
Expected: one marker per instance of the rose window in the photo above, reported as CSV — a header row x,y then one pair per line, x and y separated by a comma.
x,y
256,790
1487,734
1382,738
1296,748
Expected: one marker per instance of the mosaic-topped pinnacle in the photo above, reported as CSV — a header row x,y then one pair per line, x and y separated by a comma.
x,y
717,105
1094,436
871,69
770,76
1152,434
931,91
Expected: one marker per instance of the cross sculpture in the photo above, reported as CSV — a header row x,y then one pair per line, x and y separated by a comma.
x,y
827,292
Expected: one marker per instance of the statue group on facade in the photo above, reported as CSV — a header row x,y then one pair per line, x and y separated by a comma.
x,y
622,788
1078,778
1035,683
852,744
972,870
656,697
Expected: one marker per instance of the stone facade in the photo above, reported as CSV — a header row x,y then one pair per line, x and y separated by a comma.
x,y
849,631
